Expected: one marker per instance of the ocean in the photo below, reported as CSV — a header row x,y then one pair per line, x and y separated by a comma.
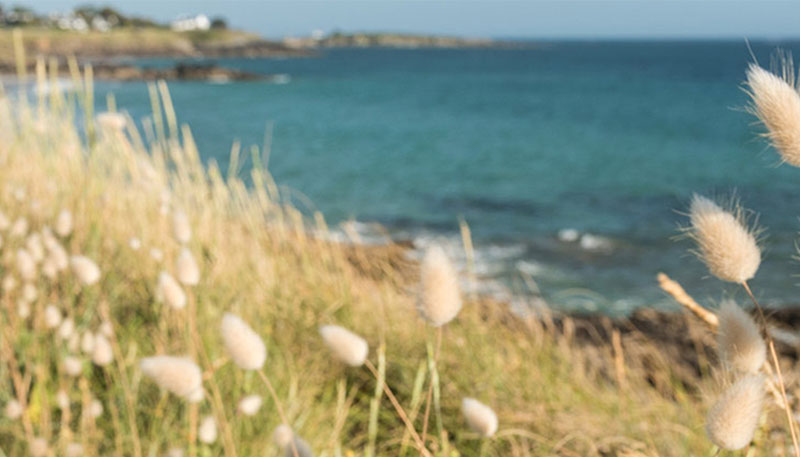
x,y
571,162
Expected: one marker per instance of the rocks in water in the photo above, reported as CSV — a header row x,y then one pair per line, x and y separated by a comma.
x,y
181,71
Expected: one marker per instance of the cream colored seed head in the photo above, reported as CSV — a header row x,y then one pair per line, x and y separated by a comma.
x,y
95,408
739,341
175,452
85,269
188,271
87,342
73,450
244,346
169,291
72,366
102,352
26,265
63,224
440,299
727,247
181,228
733,419
9,283
52,317
19,229
178,375
62,399
33,244
157,255
207,432
345,345
480,417
66,329
249,405
13,410
39,447
776,103
282,435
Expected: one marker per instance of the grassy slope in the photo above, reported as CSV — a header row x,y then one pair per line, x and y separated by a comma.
x,y
258,260
118,42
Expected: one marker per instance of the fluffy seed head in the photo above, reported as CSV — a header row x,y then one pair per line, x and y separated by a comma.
x,y
73,450
739,342
480,417
776,103
72,366
249,405
64,223
9,283
175,452
207,431
87,342
34,246
102,353
95,409
52,317
188,271
727,247
135,243
66,328
178,375
57,255
181,228
733,419
106,329
39,447
440,299
26,265
169,291
244,346
23,309
157,254
282,435
85,269
62,399
13,410
19,228
345,345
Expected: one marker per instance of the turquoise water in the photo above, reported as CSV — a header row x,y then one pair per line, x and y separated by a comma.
x,y
606,138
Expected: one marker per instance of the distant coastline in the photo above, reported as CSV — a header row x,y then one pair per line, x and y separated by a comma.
x,y
388,40
106,49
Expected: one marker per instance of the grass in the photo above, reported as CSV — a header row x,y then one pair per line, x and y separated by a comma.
x,y
262,259
119,41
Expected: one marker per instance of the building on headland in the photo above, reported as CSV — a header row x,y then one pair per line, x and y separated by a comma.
x,y
191,23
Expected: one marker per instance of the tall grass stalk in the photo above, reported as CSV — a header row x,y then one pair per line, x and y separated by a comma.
x,y
279,407
375,402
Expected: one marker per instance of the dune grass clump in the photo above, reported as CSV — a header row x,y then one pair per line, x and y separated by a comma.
x,y
209,243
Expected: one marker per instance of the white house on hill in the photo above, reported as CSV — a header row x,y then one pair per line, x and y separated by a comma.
x,y
189,23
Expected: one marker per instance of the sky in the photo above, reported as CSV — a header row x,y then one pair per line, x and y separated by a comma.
x,y
554,19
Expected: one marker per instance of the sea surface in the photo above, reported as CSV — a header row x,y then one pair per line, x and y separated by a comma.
x,y
571,162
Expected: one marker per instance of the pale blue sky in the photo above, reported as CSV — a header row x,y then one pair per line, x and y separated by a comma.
x,y
523,19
